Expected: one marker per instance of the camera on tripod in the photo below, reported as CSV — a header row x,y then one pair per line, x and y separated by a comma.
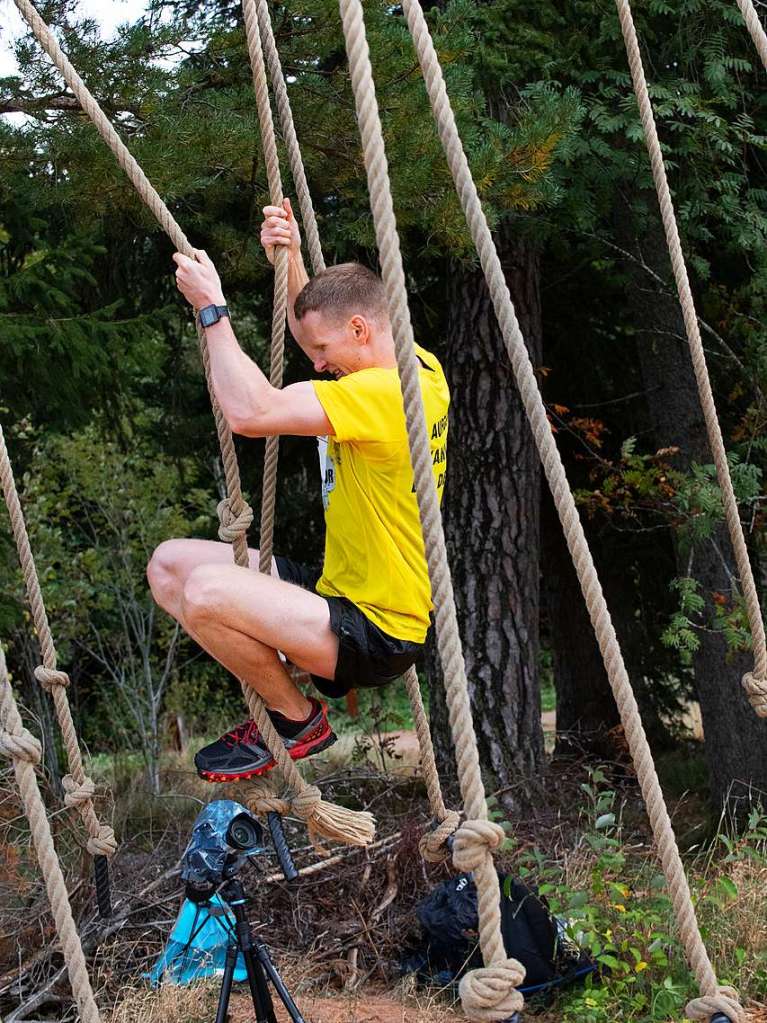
x,y
223,837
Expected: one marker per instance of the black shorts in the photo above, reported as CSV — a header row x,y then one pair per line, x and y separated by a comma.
x,y
367,656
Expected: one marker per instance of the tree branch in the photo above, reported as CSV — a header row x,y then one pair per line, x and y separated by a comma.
x,y
41,106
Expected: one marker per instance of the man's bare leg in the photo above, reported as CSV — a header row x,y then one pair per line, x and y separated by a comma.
x,y
242,618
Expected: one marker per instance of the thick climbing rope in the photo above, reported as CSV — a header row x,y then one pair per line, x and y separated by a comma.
x,y
755,27
433,844
25,751
280,304
261,797
78,787
714,998
466,852
308,217
489,993
754,682
323,819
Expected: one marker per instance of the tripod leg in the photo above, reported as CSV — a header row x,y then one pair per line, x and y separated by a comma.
x,y
279,985
226,984
262,999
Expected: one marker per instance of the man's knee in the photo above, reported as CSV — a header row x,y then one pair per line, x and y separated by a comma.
x,y
163,573
202,595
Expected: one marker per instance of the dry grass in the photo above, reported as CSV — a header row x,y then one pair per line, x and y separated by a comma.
x,y
197,1004
315,927
193,1004
741,924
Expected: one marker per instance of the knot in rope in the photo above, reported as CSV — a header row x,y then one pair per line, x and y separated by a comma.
x,y
473,841
261,798
233,524
77,795
756,690
433,844
306,803
21,746
104,843
490,992
726,1000
49,678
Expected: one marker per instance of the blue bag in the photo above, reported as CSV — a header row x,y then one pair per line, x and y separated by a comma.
x,y
197,945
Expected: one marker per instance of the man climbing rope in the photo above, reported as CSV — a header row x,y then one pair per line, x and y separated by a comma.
x,y
363,620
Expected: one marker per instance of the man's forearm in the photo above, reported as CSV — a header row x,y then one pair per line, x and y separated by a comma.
x,y
297,279
241,389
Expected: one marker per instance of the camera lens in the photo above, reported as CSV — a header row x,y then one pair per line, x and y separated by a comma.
x,y
243,832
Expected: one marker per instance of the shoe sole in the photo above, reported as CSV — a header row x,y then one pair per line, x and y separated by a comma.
x,y
217,777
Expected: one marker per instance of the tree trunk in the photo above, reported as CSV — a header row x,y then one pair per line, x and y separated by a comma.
x,y
491,524
586,709
152,752
41,705
736,740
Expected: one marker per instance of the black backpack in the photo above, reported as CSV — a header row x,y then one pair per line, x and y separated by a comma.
x,y
531,934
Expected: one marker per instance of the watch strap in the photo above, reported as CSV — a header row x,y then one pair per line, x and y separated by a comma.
x,y
211,314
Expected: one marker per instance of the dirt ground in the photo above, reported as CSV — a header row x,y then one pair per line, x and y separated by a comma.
x,y
404,744
385,1009
365,1008
364,905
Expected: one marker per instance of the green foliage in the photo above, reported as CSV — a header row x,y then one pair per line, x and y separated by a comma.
x,y
60,348
699,65
548,690
699,501
109,409
645,488
680,633
94,331
379,710
95,513
620,911
632,485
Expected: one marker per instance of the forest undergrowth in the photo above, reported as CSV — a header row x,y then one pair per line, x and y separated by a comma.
x,y
340,932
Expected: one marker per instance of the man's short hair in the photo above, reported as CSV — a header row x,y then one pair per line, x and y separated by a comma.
x,y
343,290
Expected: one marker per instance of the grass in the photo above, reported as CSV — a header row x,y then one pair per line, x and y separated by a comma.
x,y
600,875
380,710
388,709
603,879
548,695
610,890
197,1004
193,1004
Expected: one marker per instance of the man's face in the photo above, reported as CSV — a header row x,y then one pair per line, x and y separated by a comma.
x,y
334,345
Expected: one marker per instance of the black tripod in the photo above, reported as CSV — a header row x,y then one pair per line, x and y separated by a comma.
x,y
258,964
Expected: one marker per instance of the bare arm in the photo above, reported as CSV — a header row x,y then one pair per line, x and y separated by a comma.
x,y
297,279
251,406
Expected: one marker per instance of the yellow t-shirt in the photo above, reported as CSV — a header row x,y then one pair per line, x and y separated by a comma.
x,y
374,553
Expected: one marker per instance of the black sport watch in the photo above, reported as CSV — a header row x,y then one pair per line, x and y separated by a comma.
x,y
211,314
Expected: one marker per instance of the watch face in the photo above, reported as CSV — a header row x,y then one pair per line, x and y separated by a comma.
x,y
209,316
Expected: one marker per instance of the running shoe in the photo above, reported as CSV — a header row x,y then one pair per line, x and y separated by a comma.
x,y
242,754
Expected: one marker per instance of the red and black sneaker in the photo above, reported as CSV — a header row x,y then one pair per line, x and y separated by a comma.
x,y
241,753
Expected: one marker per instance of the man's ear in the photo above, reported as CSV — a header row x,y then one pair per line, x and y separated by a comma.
x,y
360,329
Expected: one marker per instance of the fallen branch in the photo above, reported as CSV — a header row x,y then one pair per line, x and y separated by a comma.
x,y
96,932
315,868
43,996
392,888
